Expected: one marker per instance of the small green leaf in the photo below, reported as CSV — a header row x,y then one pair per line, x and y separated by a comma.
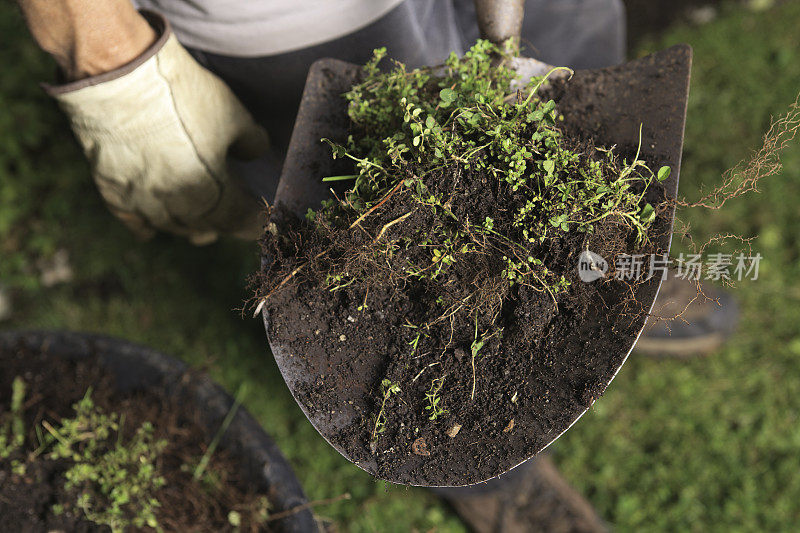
x,y
663,173
447,96
535,116
341,178
477,346
648,214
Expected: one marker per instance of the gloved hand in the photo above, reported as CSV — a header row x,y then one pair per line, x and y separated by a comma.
x,y
157,133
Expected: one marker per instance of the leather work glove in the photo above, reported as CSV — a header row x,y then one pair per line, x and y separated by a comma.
x,y
157,133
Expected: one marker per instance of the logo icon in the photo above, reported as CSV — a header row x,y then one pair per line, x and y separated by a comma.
x,y
591,266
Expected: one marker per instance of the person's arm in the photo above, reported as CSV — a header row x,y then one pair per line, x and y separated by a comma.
x,y
88,37
156,127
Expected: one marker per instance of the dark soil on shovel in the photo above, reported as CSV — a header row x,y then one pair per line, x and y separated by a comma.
x,y
530,386
423,405
53,385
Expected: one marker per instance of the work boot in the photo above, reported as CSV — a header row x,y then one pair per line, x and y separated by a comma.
x,y
701,328
531,498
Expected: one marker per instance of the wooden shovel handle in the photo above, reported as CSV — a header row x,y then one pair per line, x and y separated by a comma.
x,y
499,19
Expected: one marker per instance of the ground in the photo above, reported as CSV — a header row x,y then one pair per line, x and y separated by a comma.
x,y
709,444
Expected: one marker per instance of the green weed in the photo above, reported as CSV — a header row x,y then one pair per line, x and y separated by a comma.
x,y
12,433
387,389
115,481
434,399
412,124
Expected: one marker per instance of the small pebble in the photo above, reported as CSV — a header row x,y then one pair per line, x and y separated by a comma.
x,y
56,269
453,431
420,447
342,338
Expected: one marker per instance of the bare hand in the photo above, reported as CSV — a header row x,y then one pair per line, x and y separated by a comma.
x,y
88,37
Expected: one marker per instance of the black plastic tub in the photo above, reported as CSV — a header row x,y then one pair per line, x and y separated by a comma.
x,y
138,367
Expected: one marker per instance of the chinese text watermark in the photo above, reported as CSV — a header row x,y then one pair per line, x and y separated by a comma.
x,y
693,267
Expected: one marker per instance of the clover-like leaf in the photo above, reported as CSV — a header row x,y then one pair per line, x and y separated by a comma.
x,y
447,97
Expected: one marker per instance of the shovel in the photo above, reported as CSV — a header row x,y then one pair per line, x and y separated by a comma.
x,y
609,104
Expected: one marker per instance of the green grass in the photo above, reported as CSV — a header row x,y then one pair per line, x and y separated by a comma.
x,y
713,444
710,444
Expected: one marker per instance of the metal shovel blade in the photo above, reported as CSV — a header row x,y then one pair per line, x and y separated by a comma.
x,y
612,104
